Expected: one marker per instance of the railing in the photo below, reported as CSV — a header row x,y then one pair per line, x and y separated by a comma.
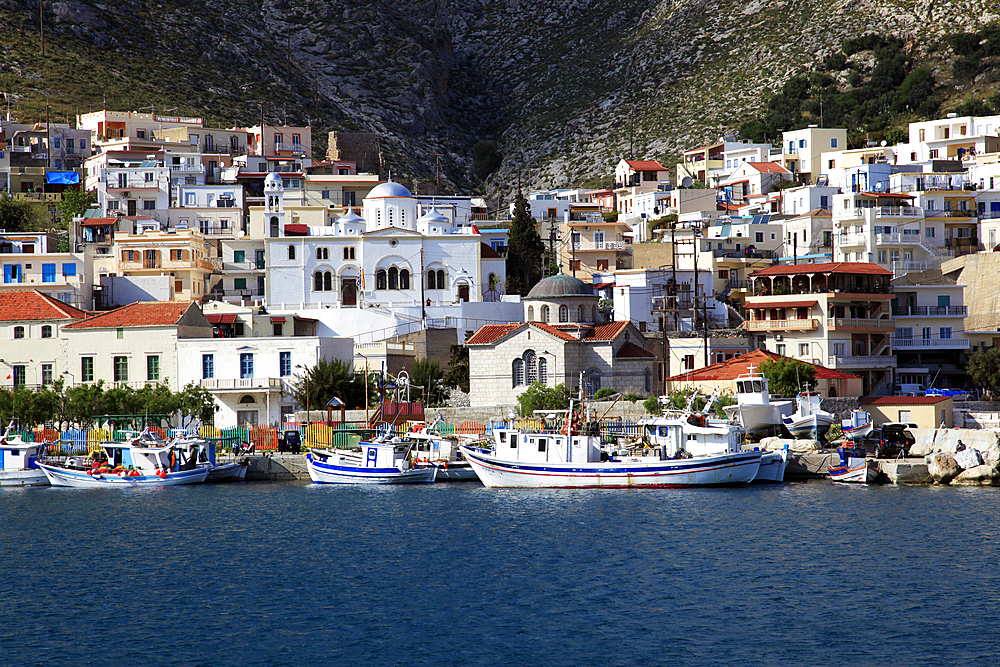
x,y
930,343
898,212
740,254
214,230
949,214
900,268
244,293
855,323
295,148
989,215
243,266
599,245
806,324
243,383
862,361
37,196
931,311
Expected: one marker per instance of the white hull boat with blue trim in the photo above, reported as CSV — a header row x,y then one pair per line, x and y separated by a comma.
x,y
430,448
19,461
854,467
754,409
809,420
375,463
772,467
144,461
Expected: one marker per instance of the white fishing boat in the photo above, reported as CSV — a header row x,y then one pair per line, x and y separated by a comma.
x,y
431,448
772,467
19,460
754,410
143,461
854,467
573,457
809,420
373,463
191,445
858,426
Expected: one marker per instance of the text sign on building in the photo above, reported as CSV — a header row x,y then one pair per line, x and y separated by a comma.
x,y
178,119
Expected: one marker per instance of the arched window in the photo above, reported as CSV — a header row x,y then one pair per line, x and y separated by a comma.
x,y
593,383
404,279
46,331
543,371
393,278
349,252
274,226
380,279
402,217
378,217
327,281
563,313
440,281
18,332
431,280
318,281
545,314
517,372
531,365
291,252
392,221
319,253
645,379
247,399
579,314
531,313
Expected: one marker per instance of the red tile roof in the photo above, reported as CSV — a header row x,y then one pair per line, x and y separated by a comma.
x,y
489,333
902,400
98,222
730,369
139,314
645,165
555,331
865,268
768,167
632,351
608,331
31,305
779,304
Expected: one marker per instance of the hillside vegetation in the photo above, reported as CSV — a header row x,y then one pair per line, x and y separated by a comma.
x,y
565,88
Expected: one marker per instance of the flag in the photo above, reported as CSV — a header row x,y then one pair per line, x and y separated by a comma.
x,y
361,280
475,230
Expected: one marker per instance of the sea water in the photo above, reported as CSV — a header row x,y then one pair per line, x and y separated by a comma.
x,y
457,574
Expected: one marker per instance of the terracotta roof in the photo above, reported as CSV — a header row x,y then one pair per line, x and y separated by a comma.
x,y
489,333
818,212
730,369
632,351
768,167
138,314
555,331
221,318
487,252
779,304
98,222
645,165
902,400
296,229
608,331
827,267
32,305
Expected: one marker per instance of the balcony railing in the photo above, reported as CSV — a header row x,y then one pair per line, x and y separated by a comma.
x,y
216,230
856,323
881,361
806,324
900,268
898,212
600,245
989,215
931,311
242,383
295,148
243,266
930,343
949,214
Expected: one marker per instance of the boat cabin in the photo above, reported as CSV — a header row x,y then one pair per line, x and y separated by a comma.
x,y
513,445
16,455
704,438
751,389
384,455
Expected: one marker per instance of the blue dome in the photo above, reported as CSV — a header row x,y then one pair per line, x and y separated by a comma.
x,y
388,189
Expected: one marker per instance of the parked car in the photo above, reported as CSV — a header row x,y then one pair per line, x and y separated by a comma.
x,y
890,440
290,441
909,390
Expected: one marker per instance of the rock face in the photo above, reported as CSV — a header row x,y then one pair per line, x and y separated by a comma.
x,y
981,475
567,87
968,458
941,467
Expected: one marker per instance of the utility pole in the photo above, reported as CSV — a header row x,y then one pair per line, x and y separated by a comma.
x,y
438,156
41,26
261,146
552,242
48,139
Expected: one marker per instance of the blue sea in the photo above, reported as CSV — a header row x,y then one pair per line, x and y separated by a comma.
x,y
298,574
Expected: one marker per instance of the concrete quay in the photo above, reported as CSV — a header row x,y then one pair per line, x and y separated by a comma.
x,y
815,465
277,468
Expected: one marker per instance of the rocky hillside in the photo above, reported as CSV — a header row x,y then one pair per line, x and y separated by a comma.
x,y
566,87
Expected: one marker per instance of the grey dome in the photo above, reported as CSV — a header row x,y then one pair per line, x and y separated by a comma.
x,y
560,285
388,189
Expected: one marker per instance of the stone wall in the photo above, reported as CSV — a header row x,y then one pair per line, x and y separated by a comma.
x,y
360,147
841,407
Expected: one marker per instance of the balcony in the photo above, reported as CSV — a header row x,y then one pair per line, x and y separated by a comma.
x,y
949,214
216,230
743,254
901,268
898,212
244,267
241,384
930,344
137,184
882,361
989,215
931,311
293,147
855,323
806,324
581,246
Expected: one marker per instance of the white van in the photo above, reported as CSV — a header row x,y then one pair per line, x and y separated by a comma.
x,y
909,390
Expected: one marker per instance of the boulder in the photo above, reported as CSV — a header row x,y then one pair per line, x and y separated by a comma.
x,y
981,475
941,467
775,444
968,458
991,456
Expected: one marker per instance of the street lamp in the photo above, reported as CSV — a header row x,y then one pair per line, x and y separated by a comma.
x,y
71,377
308,403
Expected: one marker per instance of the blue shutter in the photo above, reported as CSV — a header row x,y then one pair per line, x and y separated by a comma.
x,y
48,273
7,273
69,269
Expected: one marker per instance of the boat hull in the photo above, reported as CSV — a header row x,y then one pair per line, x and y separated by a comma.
x,y
813,426
229,472
456,471
759,417
722,470
772,467
23,478
857,471
329,473
80,479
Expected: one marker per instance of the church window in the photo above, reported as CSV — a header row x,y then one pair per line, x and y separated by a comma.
x,y
378,217
349,252
531,313
531,365
563,313
517,372
327,281
431,280
440,280
393,278
579,314
593,314
389,212
291,252
318,281
380,279
322,253
545,314
404,279
543,371
402,217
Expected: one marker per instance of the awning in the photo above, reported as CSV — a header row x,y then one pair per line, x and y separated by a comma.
x,y
603,285
780,304
293,229
278,320
98,222
221,318
62,177
891,195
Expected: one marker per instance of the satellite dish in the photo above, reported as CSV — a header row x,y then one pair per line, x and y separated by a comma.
x,y
884,143
241,234
686,182
878,187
